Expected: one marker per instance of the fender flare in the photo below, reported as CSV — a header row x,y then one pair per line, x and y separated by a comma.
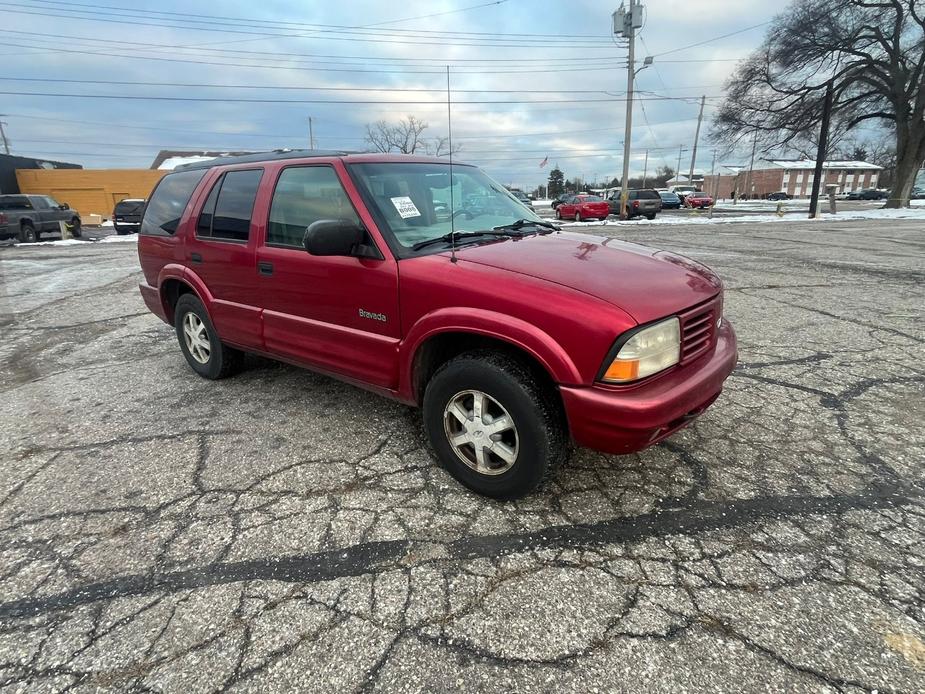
x,y
504,328
175,271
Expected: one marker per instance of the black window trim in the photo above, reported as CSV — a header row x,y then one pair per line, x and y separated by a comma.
x,y
220,181
161,232
286,246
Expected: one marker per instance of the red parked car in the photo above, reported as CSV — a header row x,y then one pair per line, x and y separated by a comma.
x,y
582,207
513,337
698,199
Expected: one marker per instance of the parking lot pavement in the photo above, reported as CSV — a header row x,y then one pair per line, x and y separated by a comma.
x,y
280,531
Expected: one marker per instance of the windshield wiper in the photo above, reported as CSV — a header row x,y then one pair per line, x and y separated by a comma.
x,y
521,223
458,235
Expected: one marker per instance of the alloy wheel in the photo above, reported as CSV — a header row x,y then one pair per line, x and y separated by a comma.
x,y
197,338
481,432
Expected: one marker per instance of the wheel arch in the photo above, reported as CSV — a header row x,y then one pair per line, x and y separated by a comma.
x,y
174,283
438,338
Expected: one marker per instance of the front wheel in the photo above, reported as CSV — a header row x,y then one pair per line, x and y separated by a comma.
x,y
73,227
200,344
493,425
558,214
578,216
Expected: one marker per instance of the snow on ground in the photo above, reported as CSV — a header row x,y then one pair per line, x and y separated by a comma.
x,y
917,212
129,238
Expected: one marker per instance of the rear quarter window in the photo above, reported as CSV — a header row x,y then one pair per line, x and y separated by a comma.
x,y
15,203
168,201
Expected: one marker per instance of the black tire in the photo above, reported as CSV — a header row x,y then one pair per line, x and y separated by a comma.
x,y
558,214
222,360
541,430
27,233
603,219
121,231
74,227
577,216
650,216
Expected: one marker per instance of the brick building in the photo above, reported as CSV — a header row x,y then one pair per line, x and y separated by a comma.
x,y
793,176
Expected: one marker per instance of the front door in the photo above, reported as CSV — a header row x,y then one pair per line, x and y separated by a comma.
x,y
339,314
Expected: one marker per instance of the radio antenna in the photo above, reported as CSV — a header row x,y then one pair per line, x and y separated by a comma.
x,y
449,131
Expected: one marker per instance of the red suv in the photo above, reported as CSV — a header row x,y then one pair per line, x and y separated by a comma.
x,y
433,285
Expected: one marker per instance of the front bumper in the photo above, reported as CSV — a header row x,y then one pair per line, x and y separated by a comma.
x,y
624,419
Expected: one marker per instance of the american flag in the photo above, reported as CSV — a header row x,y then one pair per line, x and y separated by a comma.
x,y
544,162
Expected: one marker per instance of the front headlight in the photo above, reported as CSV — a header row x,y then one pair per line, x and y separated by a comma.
x,y
646,352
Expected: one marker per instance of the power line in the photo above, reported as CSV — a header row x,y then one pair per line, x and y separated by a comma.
x,y
133,97
109,55
715,38
284,88
276,56
328,35
251,21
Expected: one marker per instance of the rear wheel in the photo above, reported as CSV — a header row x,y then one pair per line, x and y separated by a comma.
x,y
650,216
200,344
493,425
27,233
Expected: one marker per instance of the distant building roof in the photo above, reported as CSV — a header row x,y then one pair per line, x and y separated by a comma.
x,y
682,179
169,159
9,163
811,164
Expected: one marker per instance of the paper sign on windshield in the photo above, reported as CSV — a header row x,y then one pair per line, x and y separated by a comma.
x,y
405,207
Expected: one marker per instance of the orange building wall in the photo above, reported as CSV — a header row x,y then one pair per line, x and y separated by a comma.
x,y
89,191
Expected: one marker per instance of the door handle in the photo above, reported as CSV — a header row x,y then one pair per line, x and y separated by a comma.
x,y
195,257
265,268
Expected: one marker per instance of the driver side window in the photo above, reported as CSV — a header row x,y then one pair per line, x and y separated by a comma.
x,y
303,195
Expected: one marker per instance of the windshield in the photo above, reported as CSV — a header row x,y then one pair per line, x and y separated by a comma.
x,y
414,200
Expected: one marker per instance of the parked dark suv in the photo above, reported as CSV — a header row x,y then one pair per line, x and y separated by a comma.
x,y
644,202
126,216
515,338
27,217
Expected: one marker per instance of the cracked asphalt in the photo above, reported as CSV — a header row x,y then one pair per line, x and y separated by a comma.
x,y
279,531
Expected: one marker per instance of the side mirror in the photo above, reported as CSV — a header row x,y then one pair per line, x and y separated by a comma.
x,y
336,237
64,206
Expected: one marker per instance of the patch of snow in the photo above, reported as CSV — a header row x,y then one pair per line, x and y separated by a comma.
x,y
170,163
128,238
917,212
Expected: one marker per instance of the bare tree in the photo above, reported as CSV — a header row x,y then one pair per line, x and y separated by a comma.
x,y
405,137
873,52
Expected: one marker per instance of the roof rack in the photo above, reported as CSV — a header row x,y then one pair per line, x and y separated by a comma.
x,y
274,155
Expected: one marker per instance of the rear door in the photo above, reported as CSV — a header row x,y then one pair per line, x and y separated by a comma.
x,y
46,217
220,251
338,314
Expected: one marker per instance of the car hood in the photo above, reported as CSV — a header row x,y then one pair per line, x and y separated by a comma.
x,y
644,282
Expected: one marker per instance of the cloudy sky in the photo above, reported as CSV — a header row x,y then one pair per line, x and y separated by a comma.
x,y
530,78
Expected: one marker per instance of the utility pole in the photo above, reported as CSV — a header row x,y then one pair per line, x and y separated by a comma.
x,y
690,178
823,145
677,172
715,181
751,165
625,23
311,134
645,169
6,143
